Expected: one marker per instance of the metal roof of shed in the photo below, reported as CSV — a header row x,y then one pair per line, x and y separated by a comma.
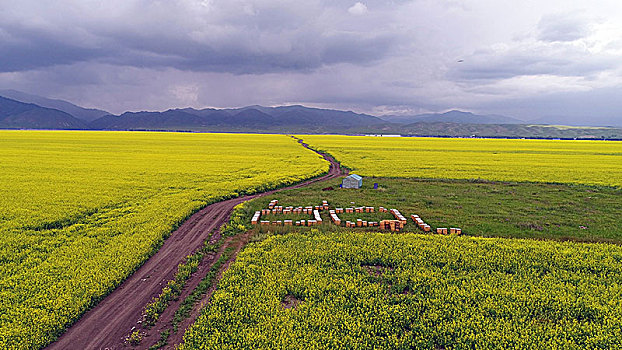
x,y
354,176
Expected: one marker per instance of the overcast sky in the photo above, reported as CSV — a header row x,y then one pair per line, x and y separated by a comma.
x,y
527,59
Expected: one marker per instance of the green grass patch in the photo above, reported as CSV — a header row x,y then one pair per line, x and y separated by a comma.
x,y
480,208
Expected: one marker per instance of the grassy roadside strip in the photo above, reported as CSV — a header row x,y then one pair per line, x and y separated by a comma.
x,y
186,306
238,223
173,288
163,340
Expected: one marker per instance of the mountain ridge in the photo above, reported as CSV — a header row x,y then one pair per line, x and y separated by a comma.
x,y
19,115
85,114
452,116
293,119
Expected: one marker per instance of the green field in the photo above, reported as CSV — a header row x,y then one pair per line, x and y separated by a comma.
x,y
385,291
480,208
586,162
79,211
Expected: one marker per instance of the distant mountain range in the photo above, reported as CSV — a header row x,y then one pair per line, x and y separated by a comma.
x,y
453,116
86,114
19,115
25,111
251,118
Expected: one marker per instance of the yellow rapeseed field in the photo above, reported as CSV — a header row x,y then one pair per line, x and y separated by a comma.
x,y
371,290
79,211
586,162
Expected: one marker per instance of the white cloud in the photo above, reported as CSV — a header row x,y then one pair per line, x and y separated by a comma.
x,y
358,9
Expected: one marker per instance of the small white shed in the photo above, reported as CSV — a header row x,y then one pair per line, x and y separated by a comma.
x,y
352,181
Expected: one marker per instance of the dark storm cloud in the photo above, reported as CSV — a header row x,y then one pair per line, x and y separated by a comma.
x,y
24,49
370,56
235,37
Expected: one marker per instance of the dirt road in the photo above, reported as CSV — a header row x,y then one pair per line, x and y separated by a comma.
x,y
106,325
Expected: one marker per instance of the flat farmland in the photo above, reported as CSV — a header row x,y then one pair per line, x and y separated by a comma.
x,y
80,211
585,162
370,290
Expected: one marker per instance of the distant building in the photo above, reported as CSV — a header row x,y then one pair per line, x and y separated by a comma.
x,y
383,135
352,181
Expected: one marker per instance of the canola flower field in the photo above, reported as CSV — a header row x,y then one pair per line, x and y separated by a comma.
x,y
80,211
585,162
367,290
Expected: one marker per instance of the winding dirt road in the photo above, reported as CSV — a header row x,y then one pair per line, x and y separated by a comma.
x,y
107,324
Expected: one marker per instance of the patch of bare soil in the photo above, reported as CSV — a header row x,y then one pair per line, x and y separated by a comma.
x,y
290,302
377,270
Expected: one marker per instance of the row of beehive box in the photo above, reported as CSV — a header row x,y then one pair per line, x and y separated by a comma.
x,y
392,225
362,223
386,224
317,217
288,210
256,217
355,210
452,230
333,216
290,223
273,203
422,225
398,216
